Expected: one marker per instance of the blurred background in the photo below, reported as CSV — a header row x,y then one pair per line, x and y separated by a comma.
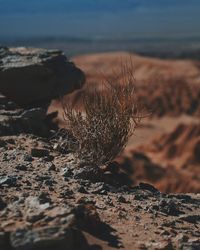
x,y
167,28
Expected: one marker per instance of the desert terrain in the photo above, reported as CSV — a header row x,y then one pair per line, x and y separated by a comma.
x,y
148,198
168,138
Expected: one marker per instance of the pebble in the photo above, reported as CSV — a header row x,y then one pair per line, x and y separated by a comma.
x,y
9,181
39,152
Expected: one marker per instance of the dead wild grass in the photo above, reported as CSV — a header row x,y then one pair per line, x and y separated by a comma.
x,y
110,116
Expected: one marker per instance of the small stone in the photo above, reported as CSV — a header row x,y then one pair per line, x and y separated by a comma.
x,y
48,158
92,173
4,241
189,246
28,183
169,207
34,217
2,143
181,238
44,198
51,167
67,172
39,152
81,189
28,158
21,167
191,218
9,181
48,182
164,232
146,186
2,204
67,193
121,199
99,188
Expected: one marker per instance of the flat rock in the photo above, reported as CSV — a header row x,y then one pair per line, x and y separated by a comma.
x,y
39,152
48,238
31,77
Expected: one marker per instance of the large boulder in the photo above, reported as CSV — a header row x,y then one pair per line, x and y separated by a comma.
x,y
32,77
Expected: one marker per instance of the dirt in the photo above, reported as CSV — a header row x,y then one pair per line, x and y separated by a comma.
x,y
36,191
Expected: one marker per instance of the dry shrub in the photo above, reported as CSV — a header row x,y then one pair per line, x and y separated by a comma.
x,y
109,118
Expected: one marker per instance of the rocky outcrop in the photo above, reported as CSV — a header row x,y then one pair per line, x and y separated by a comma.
x,y
49,201
32,77
14,120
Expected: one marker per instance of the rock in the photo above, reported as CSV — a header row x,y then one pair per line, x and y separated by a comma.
x,y
43,178
28,121
164,245
99,188
28,157
92,173
2,143
48,158
34,217
4,241
87,217
35,209
51,167
67,171
9,181
21,167
34,114
82,190
181,238
31,77
191,218
2,204
44,198
190,246
121,199
49,238
169,207
146,186
39,152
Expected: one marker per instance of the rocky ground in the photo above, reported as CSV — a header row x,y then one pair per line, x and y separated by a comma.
x,y
49,201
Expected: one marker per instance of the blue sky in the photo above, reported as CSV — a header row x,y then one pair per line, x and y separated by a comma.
x,y
100,18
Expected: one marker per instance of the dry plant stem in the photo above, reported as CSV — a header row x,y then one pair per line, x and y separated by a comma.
x,y
110,117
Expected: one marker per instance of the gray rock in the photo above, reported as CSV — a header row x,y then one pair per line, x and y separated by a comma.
x,y
9,181
31,77
191,218
92,173
35,209
28,121
2,143
39,152
2,204
21,167
51,167
164,245
28,157
67,171
49,238
4,241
